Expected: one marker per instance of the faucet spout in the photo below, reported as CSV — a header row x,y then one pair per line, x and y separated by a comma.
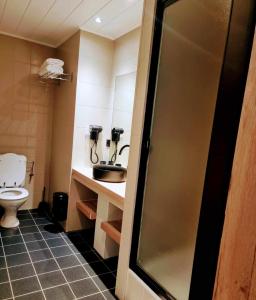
x,y
121,150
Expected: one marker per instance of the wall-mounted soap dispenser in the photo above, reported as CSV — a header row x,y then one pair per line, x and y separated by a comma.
x,y
115,137
94,136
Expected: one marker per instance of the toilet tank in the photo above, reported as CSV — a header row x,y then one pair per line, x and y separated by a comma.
x,y
12,170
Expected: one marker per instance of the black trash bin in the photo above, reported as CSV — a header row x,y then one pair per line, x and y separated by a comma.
x,y
60,206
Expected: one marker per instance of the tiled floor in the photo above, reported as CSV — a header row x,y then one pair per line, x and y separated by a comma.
x,y
36,263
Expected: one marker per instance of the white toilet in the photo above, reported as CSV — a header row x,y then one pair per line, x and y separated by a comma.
x,y
12,181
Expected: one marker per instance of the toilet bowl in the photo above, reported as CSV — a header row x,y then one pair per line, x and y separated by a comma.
x,y
12,192
11,199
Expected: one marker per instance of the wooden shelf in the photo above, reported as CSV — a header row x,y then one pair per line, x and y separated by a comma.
x,y
113,229
88,208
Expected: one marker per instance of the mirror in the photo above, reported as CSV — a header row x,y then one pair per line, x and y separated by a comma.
x,y
124,92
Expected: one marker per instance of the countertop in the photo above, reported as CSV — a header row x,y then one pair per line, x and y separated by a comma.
x,y
112,190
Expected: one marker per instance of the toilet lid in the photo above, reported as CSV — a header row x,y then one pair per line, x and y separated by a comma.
x,y
13,194
12,170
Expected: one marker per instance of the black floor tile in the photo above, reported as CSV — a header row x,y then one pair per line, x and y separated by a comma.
x,y
42,221
30,229
105,281
2,262
96,268
110,294
61,251
1,251
62,292
22,212
21,271
51,279
5,291
30,237
46,266
56,242
111,263
9,232
75,273
3,276
33,296
90,256
93,297
37,245
68,261
40,255
17,259
14,249
84,247
24,286
24,217
9,240
29,222
84,287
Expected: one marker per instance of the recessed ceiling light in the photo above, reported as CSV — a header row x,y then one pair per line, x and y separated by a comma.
x,y
98,20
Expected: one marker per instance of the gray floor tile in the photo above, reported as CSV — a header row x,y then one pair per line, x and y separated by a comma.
x,y
94,297
50,235
5,291
3,275
30,229
2,262
24,286
12,240
84,287
46,266
17,259
68,261
1,251
9,232
61,251
37,245
14,249
21,271
56,242
40,255
33,296
62,292
51,279
29,222
75,273
24,217
32,237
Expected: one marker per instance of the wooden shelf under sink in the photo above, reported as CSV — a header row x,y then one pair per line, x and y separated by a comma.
x,y
113,229
88,208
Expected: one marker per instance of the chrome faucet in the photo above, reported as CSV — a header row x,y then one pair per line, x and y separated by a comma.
x,y
121,150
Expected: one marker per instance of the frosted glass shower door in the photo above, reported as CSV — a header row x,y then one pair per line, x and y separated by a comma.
x,y
192,50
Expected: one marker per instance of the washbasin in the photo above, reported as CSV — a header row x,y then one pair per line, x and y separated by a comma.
x,y
109,173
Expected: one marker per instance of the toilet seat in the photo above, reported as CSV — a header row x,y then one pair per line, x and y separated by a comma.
x,y
12,194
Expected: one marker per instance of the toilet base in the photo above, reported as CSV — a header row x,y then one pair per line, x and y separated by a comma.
x,y
9,219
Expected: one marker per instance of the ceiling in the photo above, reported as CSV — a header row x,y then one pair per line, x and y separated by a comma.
x,y
51,22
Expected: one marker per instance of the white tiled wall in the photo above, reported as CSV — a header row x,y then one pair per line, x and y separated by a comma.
x,y
94,103
102,63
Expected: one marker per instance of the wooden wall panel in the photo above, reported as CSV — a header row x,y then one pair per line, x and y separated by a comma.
x,y
236,275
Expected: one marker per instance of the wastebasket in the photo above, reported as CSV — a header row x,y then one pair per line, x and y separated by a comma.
x,y
60,206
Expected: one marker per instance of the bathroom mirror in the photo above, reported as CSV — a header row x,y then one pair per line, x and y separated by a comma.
x,y
124,90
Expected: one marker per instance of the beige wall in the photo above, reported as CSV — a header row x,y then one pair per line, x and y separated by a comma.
x,y
26,109
63,121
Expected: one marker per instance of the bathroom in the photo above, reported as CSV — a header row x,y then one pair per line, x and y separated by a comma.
x,y
116,141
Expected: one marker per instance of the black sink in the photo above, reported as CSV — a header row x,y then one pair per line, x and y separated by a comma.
x,y
109,173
